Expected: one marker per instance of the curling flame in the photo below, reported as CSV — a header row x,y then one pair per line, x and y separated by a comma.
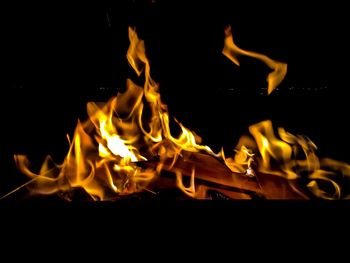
x,y
290,157
232,52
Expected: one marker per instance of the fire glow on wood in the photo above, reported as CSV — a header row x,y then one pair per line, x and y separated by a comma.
x,y
127,146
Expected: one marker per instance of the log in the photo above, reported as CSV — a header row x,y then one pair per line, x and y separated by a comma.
x,y
213,174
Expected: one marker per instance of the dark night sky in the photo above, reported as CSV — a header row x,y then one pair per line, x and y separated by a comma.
x,y
58,57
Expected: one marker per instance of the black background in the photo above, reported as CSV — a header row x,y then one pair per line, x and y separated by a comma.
x,y
56,57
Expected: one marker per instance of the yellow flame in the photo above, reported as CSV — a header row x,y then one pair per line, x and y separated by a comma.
x,y
232,51
289,157
107,149
190,190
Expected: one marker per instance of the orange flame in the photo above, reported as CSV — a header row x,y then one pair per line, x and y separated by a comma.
x,y
107,151
290,157
232,51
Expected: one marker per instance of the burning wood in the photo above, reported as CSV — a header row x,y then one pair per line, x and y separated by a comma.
x,y
212,174
112,154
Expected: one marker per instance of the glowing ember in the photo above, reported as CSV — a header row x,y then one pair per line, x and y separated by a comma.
x,y
119,151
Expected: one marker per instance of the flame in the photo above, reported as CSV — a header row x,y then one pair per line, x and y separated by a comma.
x,y
290,157
232,51
108,151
